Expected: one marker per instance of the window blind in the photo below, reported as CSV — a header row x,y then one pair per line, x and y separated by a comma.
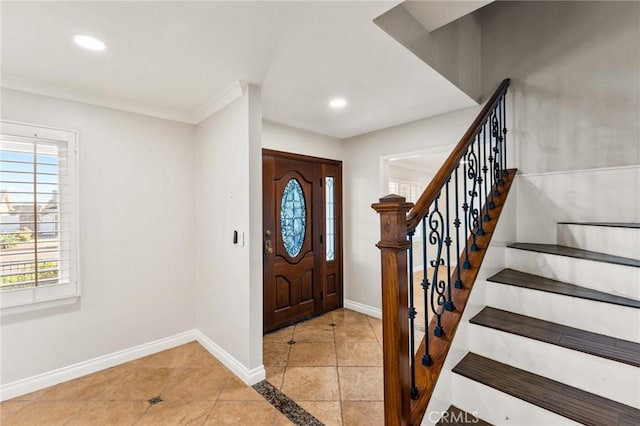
x,y
37,202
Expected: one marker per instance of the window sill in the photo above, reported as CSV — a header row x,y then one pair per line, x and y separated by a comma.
x,y
40,304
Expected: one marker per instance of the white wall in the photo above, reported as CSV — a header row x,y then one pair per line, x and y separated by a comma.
x,y
364,184
410,175
575,107
280,137
136,238
575,95
228,182
596,195
453,50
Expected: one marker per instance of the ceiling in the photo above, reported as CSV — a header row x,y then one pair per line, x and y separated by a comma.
x,y
435,14
170,59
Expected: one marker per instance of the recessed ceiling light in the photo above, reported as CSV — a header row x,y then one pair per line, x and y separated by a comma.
x,y
337,103
89,42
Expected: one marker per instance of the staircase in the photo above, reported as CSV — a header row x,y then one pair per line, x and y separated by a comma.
x,y
559,341
553,338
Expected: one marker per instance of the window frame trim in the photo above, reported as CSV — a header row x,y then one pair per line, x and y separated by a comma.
x,y
16,301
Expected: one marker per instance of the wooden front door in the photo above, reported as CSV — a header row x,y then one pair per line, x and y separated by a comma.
x,y
302,237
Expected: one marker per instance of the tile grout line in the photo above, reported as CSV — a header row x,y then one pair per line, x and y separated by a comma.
x,y
335,348
287,366
280,401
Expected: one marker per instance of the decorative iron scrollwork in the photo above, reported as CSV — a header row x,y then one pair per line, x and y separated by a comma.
x,y
438,286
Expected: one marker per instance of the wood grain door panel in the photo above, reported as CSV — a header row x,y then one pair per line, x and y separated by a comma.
x,y
295,287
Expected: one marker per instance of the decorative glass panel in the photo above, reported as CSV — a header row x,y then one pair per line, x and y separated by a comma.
x,y
293,217
330,214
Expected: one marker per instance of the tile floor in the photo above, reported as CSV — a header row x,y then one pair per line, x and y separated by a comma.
x,y
334,368
330,365
195,389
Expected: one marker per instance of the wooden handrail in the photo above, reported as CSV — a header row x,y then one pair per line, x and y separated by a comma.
x,y
420,210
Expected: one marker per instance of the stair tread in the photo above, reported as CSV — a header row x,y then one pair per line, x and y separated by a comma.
x,y
457,417
523,279
561,335
577,253
631,225
562,399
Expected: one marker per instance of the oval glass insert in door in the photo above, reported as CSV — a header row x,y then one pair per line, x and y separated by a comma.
x,y
293,217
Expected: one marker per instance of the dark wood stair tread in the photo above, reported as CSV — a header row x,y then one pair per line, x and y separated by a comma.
x,y
456,417
536,282
630,225
561,335
565,400
576,253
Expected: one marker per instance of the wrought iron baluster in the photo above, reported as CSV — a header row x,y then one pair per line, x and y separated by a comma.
x,y
426,358
492,160
456,223
472,162
485,169
480,230
412,316
465,209
504,138
448,305
497,152
438,287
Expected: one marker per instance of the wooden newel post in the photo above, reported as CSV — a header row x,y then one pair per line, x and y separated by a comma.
x,y
393,247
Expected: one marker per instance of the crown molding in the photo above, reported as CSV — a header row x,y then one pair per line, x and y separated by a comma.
x,y
118,104
221,100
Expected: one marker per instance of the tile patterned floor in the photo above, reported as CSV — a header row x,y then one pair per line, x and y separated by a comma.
x,y
331,366
194,387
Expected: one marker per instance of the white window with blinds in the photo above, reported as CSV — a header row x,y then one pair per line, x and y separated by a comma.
x,y
38,216
409,190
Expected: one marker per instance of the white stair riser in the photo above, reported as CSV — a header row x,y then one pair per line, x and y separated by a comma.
x,y
610,278
603,318
623,242
609,379
499,408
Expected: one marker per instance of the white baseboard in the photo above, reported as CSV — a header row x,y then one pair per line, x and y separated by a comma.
x,y
363,309
74,371
70,372
250,377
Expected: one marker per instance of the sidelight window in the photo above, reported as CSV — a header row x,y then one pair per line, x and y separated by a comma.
x,y
331,220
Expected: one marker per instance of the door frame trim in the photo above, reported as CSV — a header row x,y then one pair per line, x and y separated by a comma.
x,y
292,156
339,224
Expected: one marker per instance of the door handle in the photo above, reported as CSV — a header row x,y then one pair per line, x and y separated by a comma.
x,y
267,247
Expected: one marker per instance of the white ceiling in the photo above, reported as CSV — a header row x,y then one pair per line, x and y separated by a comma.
x,y
169,59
